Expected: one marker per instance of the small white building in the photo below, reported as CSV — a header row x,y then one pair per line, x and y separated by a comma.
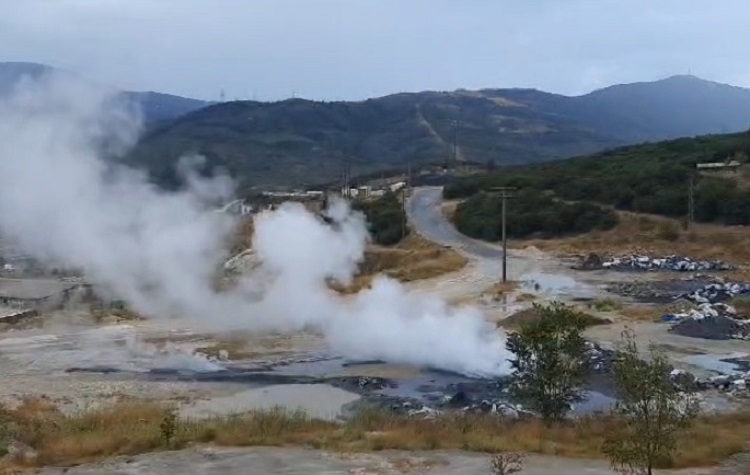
x,y
397,186
364,191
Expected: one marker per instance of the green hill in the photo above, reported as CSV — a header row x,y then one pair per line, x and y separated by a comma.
x,y
300,142
650,178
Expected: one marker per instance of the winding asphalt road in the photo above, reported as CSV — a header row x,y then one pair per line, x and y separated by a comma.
x,y
423,210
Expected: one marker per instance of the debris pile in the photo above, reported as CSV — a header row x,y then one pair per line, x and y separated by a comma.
x,y
476,396
601,360
713,328
717,292
735,384
646,263
712,319
659,291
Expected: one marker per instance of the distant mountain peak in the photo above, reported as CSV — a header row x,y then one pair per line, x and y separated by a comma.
x,y
25,65
155,106
685,77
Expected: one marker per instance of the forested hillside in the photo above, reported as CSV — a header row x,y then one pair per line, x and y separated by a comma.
x,y
652,178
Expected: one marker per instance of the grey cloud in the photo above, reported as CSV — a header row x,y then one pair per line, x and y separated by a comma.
x,y
333,49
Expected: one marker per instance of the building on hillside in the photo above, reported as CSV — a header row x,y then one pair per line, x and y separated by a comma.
x,y
364,191
239,207
394,187
35,294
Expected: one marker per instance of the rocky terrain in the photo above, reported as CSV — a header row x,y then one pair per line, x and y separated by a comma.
x,y
78,366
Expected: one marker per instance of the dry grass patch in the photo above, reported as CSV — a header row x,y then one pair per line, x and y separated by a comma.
x,y
742,305
605,305
132,428
531,315
414,258
232,349
526,297
648,313
655,235
448,208
102,313
501,289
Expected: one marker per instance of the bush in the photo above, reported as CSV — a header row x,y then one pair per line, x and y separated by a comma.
x,y
550,364
530,213
649,178
668,231
386,219
652,411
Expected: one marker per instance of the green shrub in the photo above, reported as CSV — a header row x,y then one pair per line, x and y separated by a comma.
x,y
386,219
668,231
650,178
530,213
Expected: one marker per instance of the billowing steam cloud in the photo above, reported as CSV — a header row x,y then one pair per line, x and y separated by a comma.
x,y
158,251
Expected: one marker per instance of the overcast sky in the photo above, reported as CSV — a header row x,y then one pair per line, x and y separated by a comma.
x,y
352,49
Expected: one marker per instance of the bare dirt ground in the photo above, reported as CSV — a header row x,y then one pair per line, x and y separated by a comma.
x,y
290,461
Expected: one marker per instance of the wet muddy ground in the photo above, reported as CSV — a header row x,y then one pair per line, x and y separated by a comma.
x,y
414,390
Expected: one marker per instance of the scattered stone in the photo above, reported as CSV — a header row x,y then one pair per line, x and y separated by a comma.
x,y
646,263
712,319
717,292
659,292
683,380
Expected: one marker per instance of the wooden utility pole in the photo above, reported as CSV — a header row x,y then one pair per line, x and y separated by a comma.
x,y
691,200
505,192
405,193
455,143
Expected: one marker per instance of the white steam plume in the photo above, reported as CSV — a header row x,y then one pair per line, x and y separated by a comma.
x,y
158,250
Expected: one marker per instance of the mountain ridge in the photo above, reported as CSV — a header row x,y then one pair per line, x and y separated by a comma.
x,y
297,141
155,106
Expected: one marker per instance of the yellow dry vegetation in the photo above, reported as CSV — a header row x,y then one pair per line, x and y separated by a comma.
x,y
235,349
530,315
500,289
129,428
655,235
648,313
414,258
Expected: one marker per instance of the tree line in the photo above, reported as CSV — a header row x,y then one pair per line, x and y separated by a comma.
x,y
650,178
529,213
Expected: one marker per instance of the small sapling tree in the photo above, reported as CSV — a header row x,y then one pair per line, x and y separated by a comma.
x,y
651,408
551,363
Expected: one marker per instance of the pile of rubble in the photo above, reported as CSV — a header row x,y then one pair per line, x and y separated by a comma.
x,y
713,328
717,292
646,263
712,319
666,291
734,384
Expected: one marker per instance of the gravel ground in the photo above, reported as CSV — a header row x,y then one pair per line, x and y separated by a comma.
x,y
287,461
